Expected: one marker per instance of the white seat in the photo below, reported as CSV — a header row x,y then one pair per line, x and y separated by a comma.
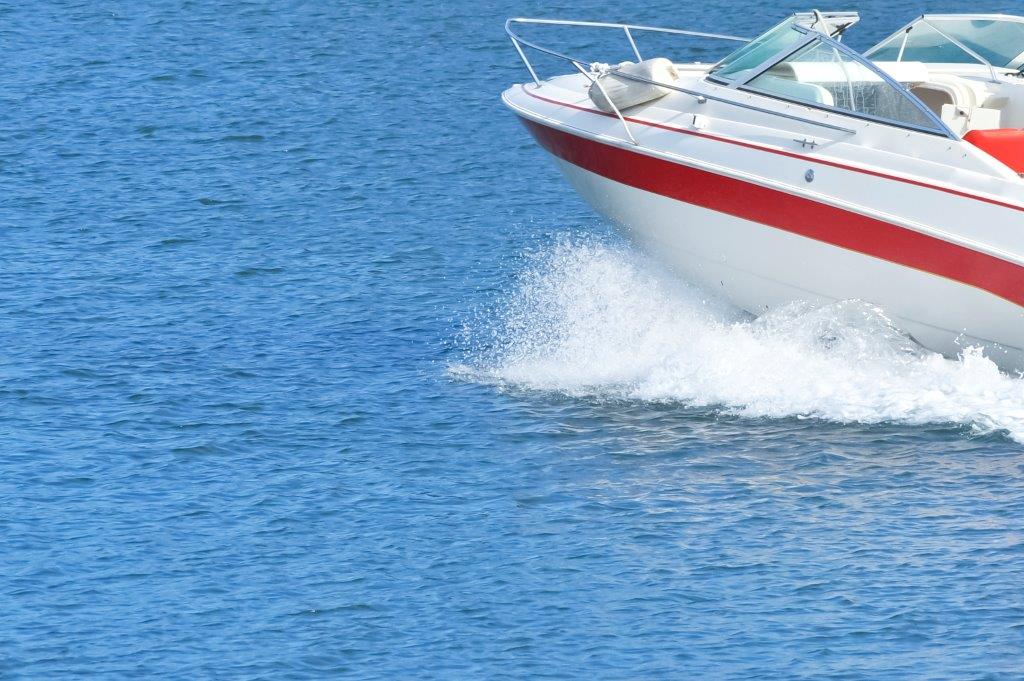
x,y
808,92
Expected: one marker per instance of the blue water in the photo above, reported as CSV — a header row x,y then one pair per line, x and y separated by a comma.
x,y
312,366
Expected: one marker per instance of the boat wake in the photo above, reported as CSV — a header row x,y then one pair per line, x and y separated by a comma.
x,y
589,319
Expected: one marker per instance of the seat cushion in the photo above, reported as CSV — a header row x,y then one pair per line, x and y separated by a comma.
x,y
808,92
1006,146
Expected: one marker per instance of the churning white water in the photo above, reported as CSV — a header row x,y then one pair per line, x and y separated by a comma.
x,y
588,319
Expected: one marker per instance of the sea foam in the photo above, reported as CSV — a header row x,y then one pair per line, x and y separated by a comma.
x,y
589,319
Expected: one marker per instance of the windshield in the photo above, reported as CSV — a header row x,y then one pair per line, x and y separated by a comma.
x,y
780,39
801,60
758,50
1000,42
821,75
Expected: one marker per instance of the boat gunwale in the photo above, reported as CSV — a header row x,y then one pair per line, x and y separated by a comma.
x,y
990,199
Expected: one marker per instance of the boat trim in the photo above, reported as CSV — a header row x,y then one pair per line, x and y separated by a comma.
x,y
807,217
781,152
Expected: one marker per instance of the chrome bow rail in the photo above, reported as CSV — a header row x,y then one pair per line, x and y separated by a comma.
x,y
584,66
628,29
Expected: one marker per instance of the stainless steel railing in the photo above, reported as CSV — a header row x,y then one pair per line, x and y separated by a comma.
x,y
518,41
583,66
628,29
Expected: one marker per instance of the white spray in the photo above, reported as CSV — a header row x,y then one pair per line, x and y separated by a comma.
x,y
592,320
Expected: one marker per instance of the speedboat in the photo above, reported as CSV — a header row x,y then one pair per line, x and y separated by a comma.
x,y
797,168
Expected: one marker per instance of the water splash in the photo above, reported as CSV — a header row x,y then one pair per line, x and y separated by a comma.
x,y
592,320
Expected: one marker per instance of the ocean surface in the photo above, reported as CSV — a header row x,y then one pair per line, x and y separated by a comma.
x,y
312,366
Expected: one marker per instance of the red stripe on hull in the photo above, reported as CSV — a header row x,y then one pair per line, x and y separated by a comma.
x,y
794,214
779,152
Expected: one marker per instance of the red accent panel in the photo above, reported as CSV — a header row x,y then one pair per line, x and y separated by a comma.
x,y
1006,146
779,152
797,215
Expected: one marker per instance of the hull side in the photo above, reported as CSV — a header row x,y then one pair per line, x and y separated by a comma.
x,y
761,250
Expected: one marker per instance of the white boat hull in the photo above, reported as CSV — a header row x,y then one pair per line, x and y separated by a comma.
x,y
766,191
758,267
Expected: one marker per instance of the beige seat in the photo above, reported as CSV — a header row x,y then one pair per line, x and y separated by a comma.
x,y
959,102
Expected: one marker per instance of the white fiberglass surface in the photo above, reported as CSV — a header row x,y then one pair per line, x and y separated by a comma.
x,y
596,319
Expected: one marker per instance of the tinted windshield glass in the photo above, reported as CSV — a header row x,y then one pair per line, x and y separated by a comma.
x,y
925,44
758,50
821,75
1000,42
